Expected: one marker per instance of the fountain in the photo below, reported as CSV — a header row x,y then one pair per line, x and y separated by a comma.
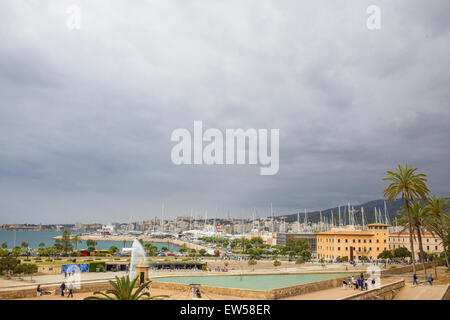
x,y
137,255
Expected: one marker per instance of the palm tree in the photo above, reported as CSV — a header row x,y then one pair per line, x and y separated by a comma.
x,y
76,240
438,220
123,290
411,186
418,217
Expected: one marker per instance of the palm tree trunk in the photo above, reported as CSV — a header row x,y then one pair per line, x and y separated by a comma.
x,y
410,235
446,256
419,236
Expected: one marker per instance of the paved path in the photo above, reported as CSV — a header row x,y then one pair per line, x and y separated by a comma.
x,y
331,294
421,292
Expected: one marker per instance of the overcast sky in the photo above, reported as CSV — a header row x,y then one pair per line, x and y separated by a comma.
x,y
86,115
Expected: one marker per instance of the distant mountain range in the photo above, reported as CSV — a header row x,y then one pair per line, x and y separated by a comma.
x,y
369,212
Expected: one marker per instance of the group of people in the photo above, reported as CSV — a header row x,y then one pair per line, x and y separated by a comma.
x,y
430,280
219,269
360,283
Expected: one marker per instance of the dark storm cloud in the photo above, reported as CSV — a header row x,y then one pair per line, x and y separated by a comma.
x,y
86,116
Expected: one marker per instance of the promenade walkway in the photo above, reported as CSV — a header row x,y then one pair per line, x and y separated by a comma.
x,y
421,292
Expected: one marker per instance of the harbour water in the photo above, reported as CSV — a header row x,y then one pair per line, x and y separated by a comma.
x,y
34,238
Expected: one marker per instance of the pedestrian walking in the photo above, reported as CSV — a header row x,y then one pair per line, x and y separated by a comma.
x,y
63,287
70,291
415,279
430,280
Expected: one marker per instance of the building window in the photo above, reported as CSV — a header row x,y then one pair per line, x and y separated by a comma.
x,y
354,240
346,240
435,247
378,241
346,248
370,240
384,240
359,240
339,240
364,240
378,249
339,248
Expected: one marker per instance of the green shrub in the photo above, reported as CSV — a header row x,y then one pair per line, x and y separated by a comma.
x,y
93,266
252,262
299,261
392,267
276,263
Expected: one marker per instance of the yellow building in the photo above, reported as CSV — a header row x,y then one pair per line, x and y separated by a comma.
x,y
353,243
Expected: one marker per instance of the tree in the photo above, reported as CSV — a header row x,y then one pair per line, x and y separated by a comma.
x,y
8,263
411,186
252,262
16,251
182,250
402,252
76,239
41,245
306,254
66,242
150,249
276,263
164,249
91,243
122,289
25,269
113,249
438,221
386,254
124,242
417,213
363,258
5,245
24,246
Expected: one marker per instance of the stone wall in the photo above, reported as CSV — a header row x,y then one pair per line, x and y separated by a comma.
x,y
54,289
49,268
304,288
406,269
385,292
446,295
250,294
